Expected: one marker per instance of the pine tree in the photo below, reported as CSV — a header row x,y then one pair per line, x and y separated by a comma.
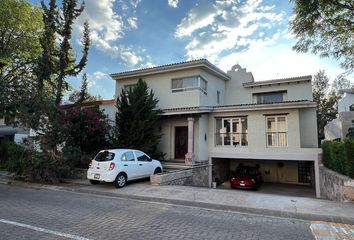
x,y
136,120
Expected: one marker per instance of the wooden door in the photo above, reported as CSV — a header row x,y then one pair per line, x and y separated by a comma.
x,y
181,142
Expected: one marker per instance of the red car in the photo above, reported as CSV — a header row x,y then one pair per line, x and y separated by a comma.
x,y
246,177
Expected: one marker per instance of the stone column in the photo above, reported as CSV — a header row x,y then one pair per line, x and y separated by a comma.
x,y
189,158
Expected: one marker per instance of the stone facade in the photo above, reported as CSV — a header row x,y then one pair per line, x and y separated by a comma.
x,y
195,176
335,186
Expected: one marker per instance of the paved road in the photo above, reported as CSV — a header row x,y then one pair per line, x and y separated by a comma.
x,y
44,214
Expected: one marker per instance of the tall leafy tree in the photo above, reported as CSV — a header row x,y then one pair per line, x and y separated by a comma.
x,y
137,120
325,27
58,61
326,100
20,27
83,95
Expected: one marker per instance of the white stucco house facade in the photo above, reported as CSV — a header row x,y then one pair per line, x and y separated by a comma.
x,y
224,119
338,127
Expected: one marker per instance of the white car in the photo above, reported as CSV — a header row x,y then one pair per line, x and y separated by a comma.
x,y
120,166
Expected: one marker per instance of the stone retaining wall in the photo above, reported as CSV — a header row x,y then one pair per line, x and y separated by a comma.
x,y
335,186
195,176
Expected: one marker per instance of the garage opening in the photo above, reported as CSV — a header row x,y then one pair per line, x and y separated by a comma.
x,y
285,177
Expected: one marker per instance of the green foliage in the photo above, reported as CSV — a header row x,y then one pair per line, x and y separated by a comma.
x,y
350,134
83,95
326,102
32,166
20,28
339,156
137,120
325,27
86,129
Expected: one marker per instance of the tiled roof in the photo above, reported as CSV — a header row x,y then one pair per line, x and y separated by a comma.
x,y
211,108
169,67
278,81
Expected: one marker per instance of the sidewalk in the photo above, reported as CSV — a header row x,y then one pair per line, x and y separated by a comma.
x,y
229,200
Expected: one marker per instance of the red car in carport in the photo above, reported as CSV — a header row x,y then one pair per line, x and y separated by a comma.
x,y
246,177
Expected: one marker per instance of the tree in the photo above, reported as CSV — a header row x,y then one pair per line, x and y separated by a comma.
x,y
20,27
85,128
83,95
325,27
326,102
136,120
341,83
57,62
350,134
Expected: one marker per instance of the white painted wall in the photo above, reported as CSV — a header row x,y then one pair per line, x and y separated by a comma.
x,y
346,101
110,110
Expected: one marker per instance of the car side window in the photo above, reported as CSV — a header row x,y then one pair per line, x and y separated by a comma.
x,y
128,156
141,156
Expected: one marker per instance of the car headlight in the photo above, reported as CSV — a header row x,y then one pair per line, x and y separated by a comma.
x,y
254,181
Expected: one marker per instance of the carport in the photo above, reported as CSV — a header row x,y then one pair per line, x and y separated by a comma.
x,y
282,173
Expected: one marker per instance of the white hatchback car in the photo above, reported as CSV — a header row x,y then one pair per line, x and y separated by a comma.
x,y
120,166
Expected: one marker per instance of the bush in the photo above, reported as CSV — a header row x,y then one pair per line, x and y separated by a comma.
x,y
32,166
339,156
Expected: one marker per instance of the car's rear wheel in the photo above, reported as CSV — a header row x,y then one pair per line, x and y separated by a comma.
x,y
157,170
120,181
94,182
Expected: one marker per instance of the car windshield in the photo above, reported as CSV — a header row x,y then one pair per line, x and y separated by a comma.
x,y
104,156
246,171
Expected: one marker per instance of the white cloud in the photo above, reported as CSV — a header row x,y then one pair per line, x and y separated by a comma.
x,y
100,83
109,20
173,3
278,61
215,29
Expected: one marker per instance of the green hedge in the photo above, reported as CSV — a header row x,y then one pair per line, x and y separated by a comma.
x,y
339,156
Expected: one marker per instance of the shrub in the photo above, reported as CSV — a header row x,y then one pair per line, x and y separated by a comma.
x,y
339,156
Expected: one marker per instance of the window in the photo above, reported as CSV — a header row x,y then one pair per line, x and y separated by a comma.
x,y
128,156
104,156
276,131
304,171
217,97
189,83
351,108
141,156
129,87
231,132
271,97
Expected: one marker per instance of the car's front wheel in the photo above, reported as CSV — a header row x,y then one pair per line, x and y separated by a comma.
x,y
120,181
94,182
157,171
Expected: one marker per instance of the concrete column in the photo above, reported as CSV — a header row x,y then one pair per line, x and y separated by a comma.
x,y
189,158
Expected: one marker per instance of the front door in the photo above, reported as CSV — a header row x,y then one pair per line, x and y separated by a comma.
x,y
181,142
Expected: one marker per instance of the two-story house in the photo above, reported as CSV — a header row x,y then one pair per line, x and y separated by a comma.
x,y
225,119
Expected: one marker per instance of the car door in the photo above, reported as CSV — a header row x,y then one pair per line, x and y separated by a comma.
x,y
145,165
130,165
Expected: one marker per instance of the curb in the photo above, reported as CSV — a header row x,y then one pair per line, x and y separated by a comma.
x,y
213,206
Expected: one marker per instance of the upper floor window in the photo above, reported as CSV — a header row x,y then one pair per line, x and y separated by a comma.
x,y
231,131
351,108
276,131
129,87
217,97
189,83
269,97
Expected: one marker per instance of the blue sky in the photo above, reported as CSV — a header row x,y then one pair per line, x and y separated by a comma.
x,y
142,33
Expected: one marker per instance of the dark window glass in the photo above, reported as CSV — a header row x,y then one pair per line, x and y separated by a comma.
x,y
141,156
270,97
104,156
128,156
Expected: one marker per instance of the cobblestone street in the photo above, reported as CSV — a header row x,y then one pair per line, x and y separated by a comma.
x,y
45,214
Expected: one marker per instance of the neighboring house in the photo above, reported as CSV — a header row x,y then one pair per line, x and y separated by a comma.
x,y
338,127
17,134
107,106
225,119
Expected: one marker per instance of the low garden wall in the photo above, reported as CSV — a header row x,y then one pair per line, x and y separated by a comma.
x,y
335,186
195,176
